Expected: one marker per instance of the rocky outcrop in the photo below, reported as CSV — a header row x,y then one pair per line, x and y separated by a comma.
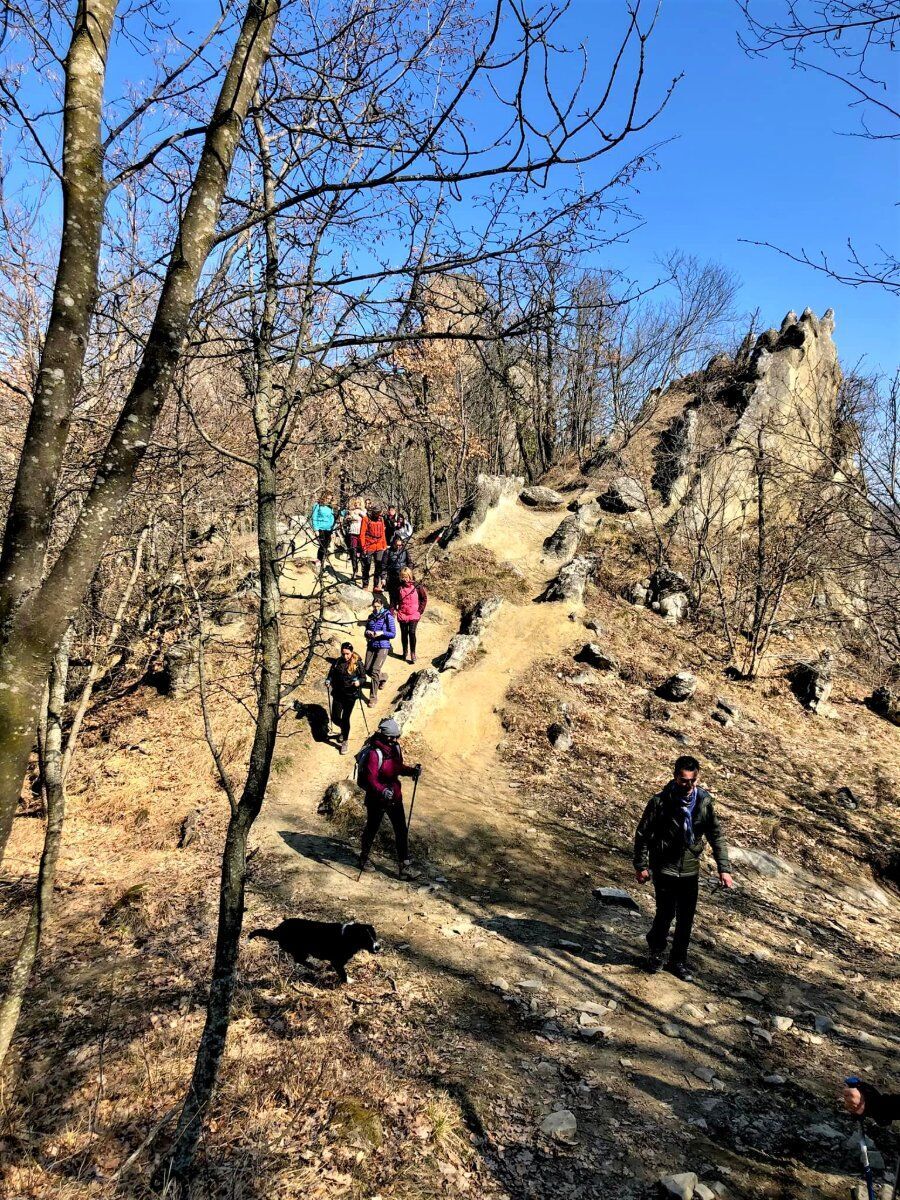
x,y
573,578
181,669
665,592
593,655
464,645
678,687
885,702
419,689
559,733
563,543
488,492
339,796
624,495
544,498
812,682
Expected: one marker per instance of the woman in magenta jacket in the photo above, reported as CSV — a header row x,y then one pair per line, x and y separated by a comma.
x,y
411,601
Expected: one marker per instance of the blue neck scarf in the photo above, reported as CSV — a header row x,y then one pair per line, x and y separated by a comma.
x,y
688,804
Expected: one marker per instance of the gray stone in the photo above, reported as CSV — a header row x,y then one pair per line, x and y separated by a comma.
x,y
624,495
572,579
812,682
530,985
181,669
702,1192
354,597
722,718
340,795
476,619
727,707
460,652
419,690
594,656
782,1024
561,1126
489,490
823,1023
761,861
674,608
638,592
681,1185
592,1009
774,1080
824,1132
885,702
564,541
707,1074
559,734
670,1029
617,897
678,687
541,497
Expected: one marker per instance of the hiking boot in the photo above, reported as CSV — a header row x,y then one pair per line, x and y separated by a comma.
x,y
681,971
345,748
654,962
363,864
406,870
370,703
412,658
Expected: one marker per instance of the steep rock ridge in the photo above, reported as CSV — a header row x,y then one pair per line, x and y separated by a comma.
x,y
698,443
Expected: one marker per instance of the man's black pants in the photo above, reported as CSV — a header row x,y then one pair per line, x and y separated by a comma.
x,y
375,811
676,899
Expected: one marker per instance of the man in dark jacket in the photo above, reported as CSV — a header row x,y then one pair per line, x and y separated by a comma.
x,y
379,775
667,848
395,559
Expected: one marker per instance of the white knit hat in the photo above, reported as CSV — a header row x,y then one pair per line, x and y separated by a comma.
x,y
389,727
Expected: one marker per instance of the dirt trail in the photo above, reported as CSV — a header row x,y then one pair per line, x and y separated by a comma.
x,y
504,919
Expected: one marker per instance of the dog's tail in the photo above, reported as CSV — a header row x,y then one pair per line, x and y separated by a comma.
x,y
271,934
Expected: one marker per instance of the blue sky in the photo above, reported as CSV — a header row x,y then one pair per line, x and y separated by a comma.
x,y
757,151
761,153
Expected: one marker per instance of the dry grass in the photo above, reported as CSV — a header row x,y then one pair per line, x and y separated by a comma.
x,y
473,573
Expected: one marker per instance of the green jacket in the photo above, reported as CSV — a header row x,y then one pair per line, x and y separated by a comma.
x,y
659,841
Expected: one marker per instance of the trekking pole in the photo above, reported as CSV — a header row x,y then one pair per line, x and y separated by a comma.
x,y
328,694
896,1181
412,803
362,709
864,1155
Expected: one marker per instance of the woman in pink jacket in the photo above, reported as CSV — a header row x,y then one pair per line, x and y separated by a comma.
x,y
411,601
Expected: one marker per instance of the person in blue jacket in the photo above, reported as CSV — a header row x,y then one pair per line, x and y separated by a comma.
x,y
323,525
380,631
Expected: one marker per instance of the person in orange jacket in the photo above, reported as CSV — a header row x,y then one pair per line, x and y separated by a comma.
x,y
372,545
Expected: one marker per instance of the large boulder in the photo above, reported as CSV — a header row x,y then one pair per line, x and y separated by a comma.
x,y
678,687
475,619
572,579
341,795
462,649
624,495
419,689
181,668
564,540
489,490
542,497
885,702
812,682
354,597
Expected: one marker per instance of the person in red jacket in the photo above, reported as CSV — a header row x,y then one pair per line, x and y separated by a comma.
x,y
379,776
372,545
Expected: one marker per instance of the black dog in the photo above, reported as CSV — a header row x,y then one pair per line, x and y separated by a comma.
x,y
328,940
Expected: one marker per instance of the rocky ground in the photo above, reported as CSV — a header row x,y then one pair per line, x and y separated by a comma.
x,y
508,1042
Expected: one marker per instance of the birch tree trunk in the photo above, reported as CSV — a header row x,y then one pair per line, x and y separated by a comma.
x,y
39,621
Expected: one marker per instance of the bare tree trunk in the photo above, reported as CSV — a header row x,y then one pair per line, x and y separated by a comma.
x,y
11,1005
27,531
40,619
234,858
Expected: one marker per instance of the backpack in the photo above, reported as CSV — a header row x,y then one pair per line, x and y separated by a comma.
x,y
360,757
423,596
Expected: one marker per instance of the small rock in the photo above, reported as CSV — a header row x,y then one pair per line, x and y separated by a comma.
x,y
681,1185
591,654
530,985
592,1031
592,1009
823,1023
845,797
750,994
707,1074
670,1029
824,1132
774,1080
702,1192
561,1126
782,1024
763,1034
500,984
616,897
678,687
559,735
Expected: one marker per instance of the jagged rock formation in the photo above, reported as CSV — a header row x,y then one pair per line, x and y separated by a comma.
x,y
563,543
489,491
541,497
464,645
421,686
571,581
698,442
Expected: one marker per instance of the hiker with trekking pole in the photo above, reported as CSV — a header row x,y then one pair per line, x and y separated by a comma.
x,y
667,848
344,683
379,768
866,1102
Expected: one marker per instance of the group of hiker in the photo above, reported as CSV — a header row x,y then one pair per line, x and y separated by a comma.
x,y
376,538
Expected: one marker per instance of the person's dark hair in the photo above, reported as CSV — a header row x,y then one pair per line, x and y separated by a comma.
x,y
686,762
398,537
346,645
379,596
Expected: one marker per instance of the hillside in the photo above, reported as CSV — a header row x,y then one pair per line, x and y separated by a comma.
x,y
506,991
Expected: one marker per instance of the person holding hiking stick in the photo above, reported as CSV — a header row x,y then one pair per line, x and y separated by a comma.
x,y
380,767
667,848
864,1099
344,680
380,631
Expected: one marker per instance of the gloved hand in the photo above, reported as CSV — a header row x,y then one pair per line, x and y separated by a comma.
x,y
417,770
387,795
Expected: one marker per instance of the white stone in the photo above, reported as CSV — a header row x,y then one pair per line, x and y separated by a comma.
x,y
681,1185
560,1125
